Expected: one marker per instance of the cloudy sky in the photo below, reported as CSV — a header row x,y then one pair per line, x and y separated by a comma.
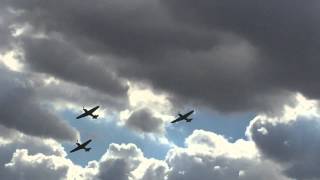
x,y
248,68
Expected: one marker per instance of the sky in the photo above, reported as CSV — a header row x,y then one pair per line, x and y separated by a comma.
x,y
248,68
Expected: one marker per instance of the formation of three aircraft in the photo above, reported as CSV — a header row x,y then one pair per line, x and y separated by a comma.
x,y
91,111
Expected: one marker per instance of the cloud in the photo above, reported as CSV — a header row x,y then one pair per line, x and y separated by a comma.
x,y
206,155
39,166
65,95
210,156
292,138
230,56
21,109
28,167
61,60
148,110
211,143
142,120
10,145
119,161
280,154
5,29
126,161
231,60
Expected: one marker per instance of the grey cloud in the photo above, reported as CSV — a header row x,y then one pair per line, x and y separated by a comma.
x,y
85,96
22,111
286,33
7,133
293,144
18,140
123,27
155,171
119,161
5,30
114,169
143,120
61,60
232,59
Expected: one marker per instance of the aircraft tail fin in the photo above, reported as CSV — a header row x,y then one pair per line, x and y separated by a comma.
x,y
87,149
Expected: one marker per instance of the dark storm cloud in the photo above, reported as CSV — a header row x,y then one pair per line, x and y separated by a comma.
x,y
142,120
5,31
22,111
63,61
232,56
130,28
286,32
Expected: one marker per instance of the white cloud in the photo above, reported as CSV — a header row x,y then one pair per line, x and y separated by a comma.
x,y
205,142
142,97
281,152
211,156
11,62
148,113
206,154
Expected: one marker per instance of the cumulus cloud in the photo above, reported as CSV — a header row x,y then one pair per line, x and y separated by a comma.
x,y
28,167
285,149
291,139
206,155
143,121
33,145
148,111
126,161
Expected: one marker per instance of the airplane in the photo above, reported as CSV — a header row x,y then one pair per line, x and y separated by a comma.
x,y
82,146
89,113
184,117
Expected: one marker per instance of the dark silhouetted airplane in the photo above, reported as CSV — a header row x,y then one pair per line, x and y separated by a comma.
x,y
184,117
82,146
89,113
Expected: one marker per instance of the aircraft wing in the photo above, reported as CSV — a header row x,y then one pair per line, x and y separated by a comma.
x,y
83,115
76,149
86,143
93,109
176,120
